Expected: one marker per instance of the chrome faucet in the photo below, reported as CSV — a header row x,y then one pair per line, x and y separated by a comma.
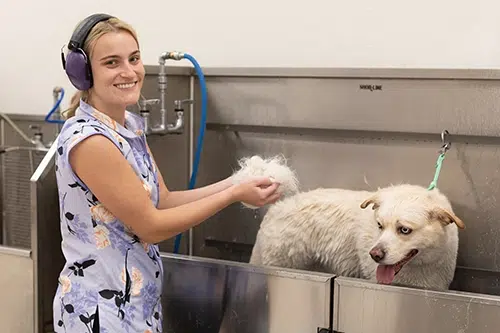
x,y
144,111
164,127
37,139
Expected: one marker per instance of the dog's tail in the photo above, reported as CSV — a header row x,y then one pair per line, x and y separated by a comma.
x,y
275,167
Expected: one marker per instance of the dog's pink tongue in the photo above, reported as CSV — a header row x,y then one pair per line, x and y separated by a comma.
x,y
385,274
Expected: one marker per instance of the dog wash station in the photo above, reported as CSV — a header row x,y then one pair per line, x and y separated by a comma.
x,y
349,128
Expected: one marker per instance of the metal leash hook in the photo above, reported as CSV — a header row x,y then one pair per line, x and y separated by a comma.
x,y
442,153
446,144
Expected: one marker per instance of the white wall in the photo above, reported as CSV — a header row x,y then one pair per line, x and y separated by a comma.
x,y
313,33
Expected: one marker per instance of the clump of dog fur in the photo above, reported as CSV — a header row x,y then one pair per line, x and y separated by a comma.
x,y
336,231
273,167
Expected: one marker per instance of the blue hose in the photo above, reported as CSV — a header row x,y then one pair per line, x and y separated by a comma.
x,y
54,108
203,120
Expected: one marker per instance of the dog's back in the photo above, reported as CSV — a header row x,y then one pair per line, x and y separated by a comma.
x,y
315,229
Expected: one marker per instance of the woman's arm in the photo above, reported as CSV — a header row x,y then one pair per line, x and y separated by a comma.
x,y
177,198
112,180
170,199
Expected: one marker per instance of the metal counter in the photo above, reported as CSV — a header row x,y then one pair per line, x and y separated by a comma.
x,y
210,295
361,307
16,279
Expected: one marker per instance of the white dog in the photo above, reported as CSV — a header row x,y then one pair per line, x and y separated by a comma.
x,y
408,238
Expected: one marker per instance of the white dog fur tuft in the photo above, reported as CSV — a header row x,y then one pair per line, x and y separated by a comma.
x,y
274,167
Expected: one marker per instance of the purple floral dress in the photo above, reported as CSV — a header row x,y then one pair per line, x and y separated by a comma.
x,y
112,281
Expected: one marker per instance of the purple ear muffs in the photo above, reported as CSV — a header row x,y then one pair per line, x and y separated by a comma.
x,y
78,70
77,64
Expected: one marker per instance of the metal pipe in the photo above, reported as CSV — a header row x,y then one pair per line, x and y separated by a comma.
x,y
164,127
162,86
145,116
16,148
55,92
191,154
174,55
144,111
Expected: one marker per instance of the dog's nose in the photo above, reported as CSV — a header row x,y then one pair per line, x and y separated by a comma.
x,y
377,254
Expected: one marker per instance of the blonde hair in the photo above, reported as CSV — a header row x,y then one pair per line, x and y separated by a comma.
x,y
100,29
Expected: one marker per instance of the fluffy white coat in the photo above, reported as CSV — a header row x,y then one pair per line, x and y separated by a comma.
x,y
363,234
274,167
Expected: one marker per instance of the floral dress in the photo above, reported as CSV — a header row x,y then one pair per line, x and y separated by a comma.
x,y
111,281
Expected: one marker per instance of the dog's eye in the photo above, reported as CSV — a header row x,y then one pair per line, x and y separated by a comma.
x,y
379,225
405,230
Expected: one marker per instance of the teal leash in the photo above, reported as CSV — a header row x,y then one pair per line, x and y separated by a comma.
x,y
439,163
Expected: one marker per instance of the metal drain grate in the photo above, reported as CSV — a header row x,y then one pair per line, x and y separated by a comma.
x,y
18,166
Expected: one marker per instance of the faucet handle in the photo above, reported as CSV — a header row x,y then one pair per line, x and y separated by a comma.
x,y
143,103
178,103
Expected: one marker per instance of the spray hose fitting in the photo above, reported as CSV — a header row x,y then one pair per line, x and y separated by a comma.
x,y
173,55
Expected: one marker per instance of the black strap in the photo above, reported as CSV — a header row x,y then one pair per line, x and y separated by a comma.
x,y
84,28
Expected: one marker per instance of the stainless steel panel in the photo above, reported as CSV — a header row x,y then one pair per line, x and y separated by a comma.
x,y
465,107
204,295
45,239
476,281
330,73
16,303
361,306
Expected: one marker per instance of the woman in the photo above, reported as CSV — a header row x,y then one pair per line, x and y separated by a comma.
x,y
114,204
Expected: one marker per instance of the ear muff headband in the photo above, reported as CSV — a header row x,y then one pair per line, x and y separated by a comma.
x,y
77,63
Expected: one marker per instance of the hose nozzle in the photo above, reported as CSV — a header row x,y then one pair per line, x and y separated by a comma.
x,y
174,55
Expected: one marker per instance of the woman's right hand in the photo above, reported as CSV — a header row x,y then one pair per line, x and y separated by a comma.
x,y
256,192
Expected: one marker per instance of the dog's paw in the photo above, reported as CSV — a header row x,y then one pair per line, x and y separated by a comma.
x,y
275,168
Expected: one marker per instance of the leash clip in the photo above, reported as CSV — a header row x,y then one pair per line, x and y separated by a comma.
x,y
444,148
446,144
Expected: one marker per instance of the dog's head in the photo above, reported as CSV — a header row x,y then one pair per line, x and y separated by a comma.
x,y
412,223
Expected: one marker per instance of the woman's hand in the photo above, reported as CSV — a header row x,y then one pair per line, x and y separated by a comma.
x,y
256,192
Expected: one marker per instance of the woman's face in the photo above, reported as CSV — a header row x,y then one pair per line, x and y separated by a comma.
x,y
117,71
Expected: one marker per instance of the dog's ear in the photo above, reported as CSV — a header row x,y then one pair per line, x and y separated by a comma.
x,y
446,217
373,200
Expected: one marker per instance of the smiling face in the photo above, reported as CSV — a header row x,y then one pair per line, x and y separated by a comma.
x,y
118,72
412,223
